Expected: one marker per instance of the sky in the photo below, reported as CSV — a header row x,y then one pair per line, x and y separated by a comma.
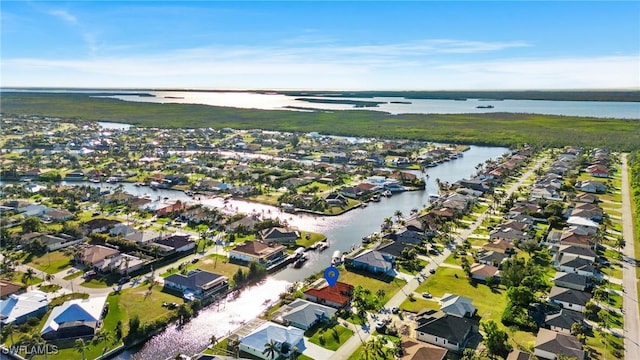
x,y
332,45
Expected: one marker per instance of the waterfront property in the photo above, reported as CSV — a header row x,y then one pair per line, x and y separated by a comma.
x,y
304,314
284,339
74,318
337,296
373,261
258,251
197,283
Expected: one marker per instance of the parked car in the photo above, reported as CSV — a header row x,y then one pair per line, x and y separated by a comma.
x,y
395,310
432,271
426,295
89,274
380,325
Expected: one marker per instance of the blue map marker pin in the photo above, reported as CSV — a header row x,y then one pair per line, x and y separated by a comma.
x,y
331,275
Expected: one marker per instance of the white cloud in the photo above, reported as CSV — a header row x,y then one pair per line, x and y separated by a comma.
x,y
65,16
413,65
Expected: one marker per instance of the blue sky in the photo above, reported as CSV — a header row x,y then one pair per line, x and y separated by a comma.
x,y
321,45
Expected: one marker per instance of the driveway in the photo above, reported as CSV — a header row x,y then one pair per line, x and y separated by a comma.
x,y
316,352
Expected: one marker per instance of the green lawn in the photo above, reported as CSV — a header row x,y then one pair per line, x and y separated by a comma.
x,y
313,238
51,262
390,285
418,304
357,355
218,264
490,303
329,338
73,275
49,288
596,344
18,277
421,265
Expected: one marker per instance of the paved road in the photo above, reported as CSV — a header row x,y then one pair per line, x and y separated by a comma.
x,y
630,283
364,332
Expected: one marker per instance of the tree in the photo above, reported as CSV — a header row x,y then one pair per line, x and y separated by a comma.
x,y
28,276
31,224
620,243
103,336
8,330
496,340
520,296
80,347
271,349
380,293
184,314
213,340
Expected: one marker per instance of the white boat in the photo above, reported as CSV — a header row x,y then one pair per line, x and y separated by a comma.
x,y
336,259
323,246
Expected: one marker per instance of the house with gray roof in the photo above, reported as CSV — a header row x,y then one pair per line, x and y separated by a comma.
x,y
448,331
569,298
576,265
457,306
279,235
571,281
304,314
201,284
563,320
549,344
372,261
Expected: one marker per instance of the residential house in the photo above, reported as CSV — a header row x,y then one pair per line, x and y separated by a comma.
x,y
451,332
582,222
576,252
549,344
304,314
121,264
499,246
337,296
417,350
546,192
60,241
457,306
16,309
508,234
257,251
98,225
482,272
163,207
74,318
122,230
279,235
94,255
143,237
8,288
571,281
586,198
285,339
518,355
492,258
563,320
175,243
568,298
335,199
373,261
571,264
593,187
57,215
201,284
476,184
598,170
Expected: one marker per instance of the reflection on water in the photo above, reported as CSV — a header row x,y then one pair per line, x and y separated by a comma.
x,y
218,319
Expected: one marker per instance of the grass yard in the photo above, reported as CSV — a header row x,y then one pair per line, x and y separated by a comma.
x,y
73,275
370,281
313,238
329,338
18,277
49,288
357,355
420,266
51,262
614,347
418,304
214,263
490,303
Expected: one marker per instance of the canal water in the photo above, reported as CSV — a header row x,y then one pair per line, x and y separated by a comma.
x,y
342,232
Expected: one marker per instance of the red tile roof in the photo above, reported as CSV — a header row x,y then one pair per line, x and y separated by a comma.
x,y
337,294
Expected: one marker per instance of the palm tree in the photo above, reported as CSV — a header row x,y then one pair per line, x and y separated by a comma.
x,y
398,214
380,293
271,349
80,347
103,336
8,330
126,265
49,277
28,276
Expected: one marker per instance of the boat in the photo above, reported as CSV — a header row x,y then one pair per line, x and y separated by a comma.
x,y
434,197
300,261
93,180
484,107
336,259
323,246
138,184
375,198
387,193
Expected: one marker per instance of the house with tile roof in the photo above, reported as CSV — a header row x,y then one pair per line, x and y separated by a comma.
x,y
337,296
417,350
482,271
257,251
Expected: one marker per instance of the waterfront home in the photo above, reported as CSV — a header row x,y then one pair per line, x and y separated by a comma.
x,y
304,314
201,284
569,298
455,305
451,332
337,296
563,320
16,309
284,338
549,344
258,251
417,350
163,207
74,318
335,199
475,184
279,235
373,261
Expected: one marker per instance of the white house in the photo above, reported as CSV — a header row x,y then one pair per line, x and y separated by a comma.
x,y
16,309
285,338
